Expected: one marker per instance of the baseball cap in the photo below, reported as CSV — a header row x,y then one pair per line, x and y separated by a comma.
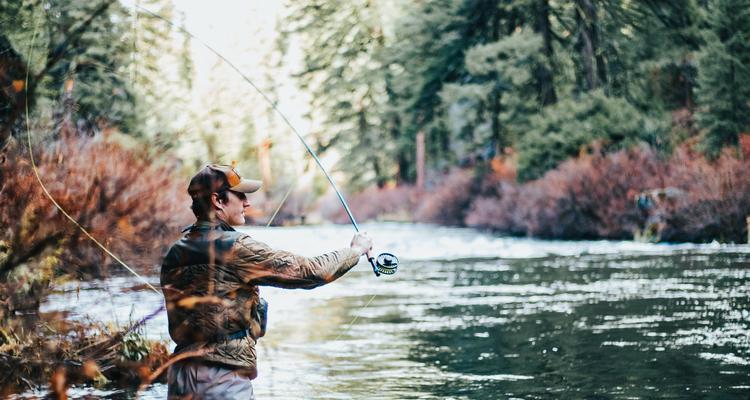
x,y
216,177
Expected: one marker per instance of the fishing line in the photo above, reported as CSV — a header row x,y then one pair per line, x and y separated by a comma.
x,y
281,203
44,188
386,263
389,266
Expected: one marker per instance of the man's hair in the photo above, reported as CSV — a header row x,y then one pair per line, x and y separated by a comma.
x,y
202,186
202,206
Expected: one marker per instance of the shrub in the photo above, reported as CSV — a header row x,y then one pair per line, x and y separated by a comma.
x,y
587,197
392,203
131,203
716,200
71,352
448,204
592,196
500,211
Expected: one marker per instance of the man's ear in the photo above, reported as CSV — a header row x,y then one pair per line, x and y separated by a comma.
x,y
215,202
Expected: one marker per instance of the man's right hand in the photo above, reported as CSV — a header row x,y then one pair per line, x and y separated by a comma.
x,y
362,243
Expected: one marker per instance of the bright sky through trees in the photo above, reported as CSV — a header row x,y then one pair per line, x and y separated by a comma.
x,y
244,32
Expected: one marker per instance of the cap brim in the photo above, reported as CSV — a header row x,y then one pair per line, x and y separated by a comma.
x,y
247,186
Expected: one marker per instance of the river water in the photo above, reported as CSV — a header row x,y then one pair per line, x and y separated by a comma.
x,y
474,316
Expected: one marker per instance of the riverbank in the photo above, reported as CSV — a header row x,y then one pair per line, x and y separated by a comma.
x,y
48,350
635,194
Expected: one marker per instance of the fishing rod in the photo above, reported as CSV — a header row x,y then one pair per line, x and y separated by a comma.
x,y
384,263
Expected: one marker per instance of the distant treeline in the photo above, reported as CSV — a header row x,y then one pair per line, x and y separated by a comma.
x,y
559,119
542,78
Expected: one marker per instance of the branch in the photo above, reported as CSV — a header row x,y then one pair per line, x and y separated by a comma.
x,y
37,249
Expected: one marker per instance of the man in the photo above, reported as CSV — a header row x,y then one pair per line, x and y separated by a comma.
x,y
210,279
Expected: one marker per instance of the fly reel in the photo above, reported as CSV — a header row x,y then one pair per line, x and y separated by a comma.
x,y
385,264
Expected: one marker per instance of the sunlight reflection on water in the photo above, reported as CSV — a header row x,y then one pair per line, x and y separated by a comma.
x,y
617,319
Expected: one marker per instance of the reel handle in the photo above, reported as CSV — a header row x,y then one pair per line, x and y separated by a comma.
x,y
374,267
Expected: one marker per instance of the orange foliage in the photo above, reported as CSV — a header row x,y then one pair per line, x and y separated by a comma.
x,y
126,200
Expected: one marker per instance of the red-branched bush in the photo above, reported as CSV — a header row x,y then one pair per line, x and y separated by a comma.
x,y
715,200
449,203
593,197
587,197
127,201
389,203
446,205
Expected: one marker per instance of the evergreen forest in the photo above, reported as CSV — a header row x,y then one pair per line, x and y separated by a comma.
x,y
552,119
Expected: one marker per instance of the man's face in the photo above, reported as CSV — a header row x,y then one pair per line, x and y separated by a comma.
x,y
233,212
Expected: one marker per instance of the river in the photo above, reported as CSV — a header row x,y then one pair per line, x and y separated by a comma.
x,y
470,315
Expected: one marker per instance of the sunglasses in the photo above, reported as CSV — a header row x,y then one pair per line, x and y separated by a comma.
x,y
240,195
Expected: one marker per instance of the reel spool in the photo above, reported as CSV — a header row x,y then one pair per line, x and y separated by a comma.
x,y
385,264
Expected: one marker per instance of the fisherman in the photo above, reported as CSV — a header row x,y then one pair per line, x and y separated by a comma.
x,y
210,280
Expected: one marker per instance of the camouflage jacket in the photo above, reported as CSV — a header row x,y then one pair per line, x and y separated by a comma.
x,y
210,280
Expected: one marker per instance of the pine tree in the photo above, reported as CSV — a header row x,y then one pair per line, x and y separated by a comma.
x,y
724,74
659,44
344,71
432,41
491,110
160,72
74,42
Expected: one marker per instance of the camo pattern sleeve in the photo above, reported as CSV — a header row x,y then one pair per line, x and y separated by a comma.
x,y
259,264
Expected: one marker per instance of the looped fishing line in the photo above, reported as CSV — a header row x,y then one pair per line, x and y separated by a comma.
x,y
102,246
44,188
289,124
120,261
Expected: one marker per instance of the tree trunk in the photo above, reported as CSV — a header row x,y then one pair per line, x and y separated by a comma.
x,y
420,162
544,76
404,164
496,93
264,158
587,44
14,90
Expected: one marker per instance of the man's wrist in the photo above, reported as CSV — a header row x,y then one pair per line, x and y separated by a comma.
x,y
359,249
